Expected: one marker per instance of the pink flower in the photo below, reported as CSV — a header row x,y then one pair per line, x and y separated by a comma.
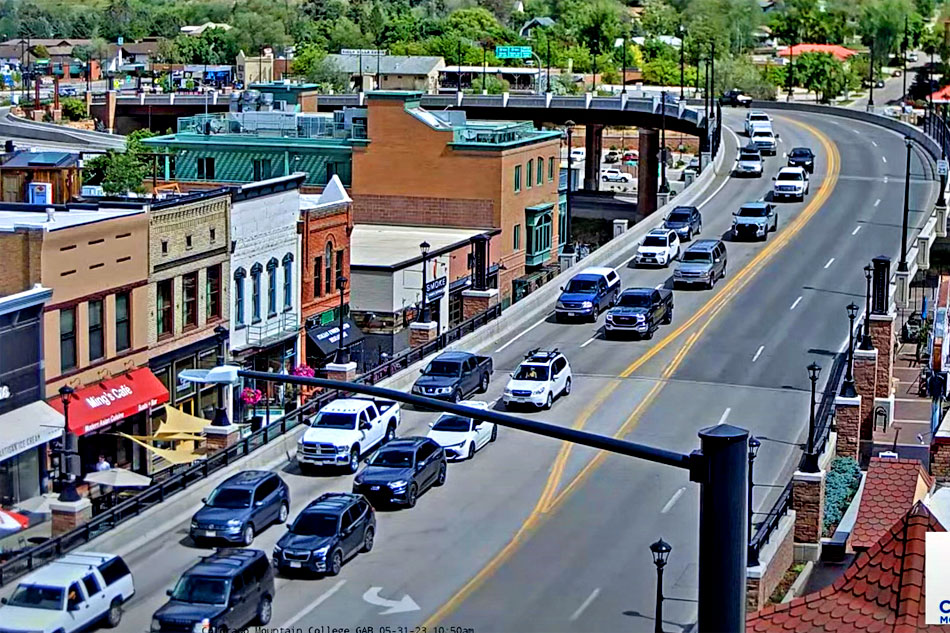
x,y
251,396
304,371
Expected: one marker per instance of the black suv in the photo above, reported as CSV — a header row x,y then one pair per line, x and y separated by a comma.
x,y
333,528
240,507
402,470
231,588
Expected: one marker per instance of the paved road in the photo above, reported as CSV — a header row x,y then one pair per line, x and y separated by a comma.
x,y
532,535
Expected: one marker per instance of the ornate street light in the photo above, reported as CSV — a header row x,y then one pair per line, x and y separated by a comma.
x,y
341,286
424,312
847,387
811,459
866,343
661,552
68,492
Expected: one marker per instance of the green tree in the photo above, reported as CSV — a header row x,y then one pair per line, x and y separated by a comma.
x,y
41,51
821,73
659,18
494,85
123,173
661,72
73,109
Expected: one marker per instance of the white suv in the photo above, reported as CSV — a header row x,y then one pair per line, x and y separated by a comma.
x,y
791,182
539,379
658,248
755,119
615,175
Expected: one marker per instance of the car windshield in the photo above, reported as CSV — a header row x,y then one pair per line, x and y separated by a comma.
x,y
230,498
581,285
331,420
201,590
800,152
455,423
654,240
395,458
758,117
760,133
37,597
634,300
697,256
753,156
753,212
443,368
789,175
315,524
532,372
679,216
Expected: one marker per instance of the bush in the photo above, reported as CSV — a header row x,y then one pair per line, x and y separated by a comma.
x,y
840,485
73,109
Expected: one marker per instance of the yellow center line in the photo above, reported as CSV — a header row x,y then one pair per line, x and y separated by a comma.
x,y
548,502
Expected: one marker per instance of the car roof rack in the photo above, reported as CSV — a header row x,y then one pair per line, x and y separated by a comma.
x,y
541,355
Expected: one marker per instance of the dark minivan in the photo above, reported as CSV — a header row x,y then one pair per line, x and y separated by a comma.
x,y
240,507
333,528
402,470
231,589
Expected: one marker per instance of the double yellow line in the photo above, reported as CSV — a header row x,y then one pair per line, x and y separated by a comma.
x,y
550,499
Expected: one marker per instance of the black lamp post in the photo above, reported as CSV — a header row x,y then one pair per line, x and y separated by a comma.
x,y
941,199
566,238
866,343
624,90
664,183
902,264
754,444
221,334
904,44
68,492
424,312
810,464
341,286
847,387
871,75
661,552
682,30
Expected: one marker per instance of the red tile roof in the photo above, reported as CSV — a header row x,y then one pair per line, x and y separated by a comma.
x,y
882,591
942,95
890,489
838,51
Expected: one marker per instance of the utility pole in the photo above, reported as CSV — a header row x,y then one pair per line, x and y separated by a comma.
x,y
904,62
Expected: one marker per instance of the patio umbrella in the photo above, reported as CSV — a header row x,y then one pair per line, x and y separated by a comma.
x,y
12,521
36,505
118,478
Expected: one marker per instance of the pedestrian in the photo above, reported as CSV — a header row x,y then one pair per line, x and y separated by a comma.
x,y
102,464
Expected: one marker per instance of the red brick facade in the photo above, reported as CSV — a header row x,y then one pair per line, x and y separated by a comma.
x,y
808,501
320,227
421,211
865,383
848,422
882,335
758,590
940,460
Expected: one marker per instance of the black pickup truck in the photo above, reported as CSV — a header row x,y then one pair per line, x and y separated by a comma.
x,y
641,311
454,376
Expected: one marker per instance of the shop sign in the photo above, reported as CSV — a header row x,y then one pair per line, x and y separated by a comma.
x,y
17,447
4,392
333,334
435,288
108,397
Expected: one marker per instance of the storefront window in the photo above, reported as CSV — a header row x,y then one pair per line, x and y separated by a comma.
x,y
20,476
208,359
183,389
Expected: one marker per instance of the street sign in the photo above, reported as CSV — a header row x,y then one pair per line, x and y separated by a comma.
x,y
943,167
121,40
371,52
513,52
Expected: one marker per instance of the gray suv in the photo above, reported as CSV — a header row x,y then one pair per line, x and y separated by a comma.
x,y
704,262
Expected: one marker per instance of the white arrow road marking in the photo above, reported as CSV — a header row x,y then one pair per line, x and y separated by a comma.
x,y
589,341
758,353
585,604
392,606
884,158
795,305
877,202
289,624
830,262
856,229
673,500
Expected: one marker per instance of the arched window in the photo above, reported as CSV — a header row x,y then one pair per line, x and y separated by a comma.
x,y
272,287
288,280
256,271
239,276
540,167
328,268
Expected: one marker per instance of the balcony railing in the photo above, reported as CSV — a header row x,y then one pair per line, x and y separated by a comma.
x,y
271,124
272,330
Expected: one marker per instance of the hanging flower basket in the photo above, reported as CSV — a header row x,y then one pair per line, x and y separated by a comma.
x,y
251,396
304,371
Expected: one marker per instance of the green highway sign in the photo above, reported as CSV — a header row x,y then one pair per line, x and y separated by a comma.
x,y
513,52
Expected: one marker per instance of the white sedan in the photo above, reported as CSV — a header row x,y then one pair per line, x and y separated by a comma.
x,y
461,437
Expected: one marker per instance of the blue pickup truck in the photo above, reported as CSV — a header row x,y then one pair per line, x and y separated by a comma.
x,y
587,294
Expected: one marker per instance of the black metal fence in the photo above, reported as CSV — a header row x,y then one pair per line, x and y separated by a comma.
x,y
935,128
174,479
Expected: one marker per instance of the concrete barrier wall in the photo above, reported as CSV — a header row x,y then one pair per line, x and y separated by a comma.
x,y
19,127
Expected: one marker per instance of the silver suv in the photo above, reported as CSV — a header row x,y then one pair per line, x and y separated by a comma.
x,y
704,262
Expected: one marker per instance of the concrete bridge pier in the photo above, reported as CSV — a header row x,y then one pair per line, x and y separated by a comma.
x,y
594,141
647,171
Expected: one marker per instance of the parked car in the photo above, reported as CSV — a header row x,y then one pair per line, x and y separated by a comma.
x,y
735,98
588,293
765,140
754,219
461,436
615,175
240,507
685,222
72,593
540,378
229,590
749,162
578,154
67,91
612,156
640,311
704,262
454,376
802,157
345,430
790,182
757,118
912,57
631,155
658,248
401,471
332,529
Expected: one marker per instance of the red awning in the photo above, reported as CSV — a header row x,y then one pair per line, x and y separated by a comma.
x,y
112,400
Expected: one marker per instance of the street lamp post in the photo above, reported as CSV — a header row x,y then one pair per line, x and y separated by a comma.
x,y
68,492
661,552
548,78
871,75
904,43
811,459
664,183
866,343
566,238
847,387
624,79
754,444
341,286
424,312
902,264
682,30
941,199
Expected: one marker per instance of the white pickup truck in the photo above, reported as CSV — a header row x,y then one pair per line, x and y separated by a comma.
x,y
70,594
345,430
